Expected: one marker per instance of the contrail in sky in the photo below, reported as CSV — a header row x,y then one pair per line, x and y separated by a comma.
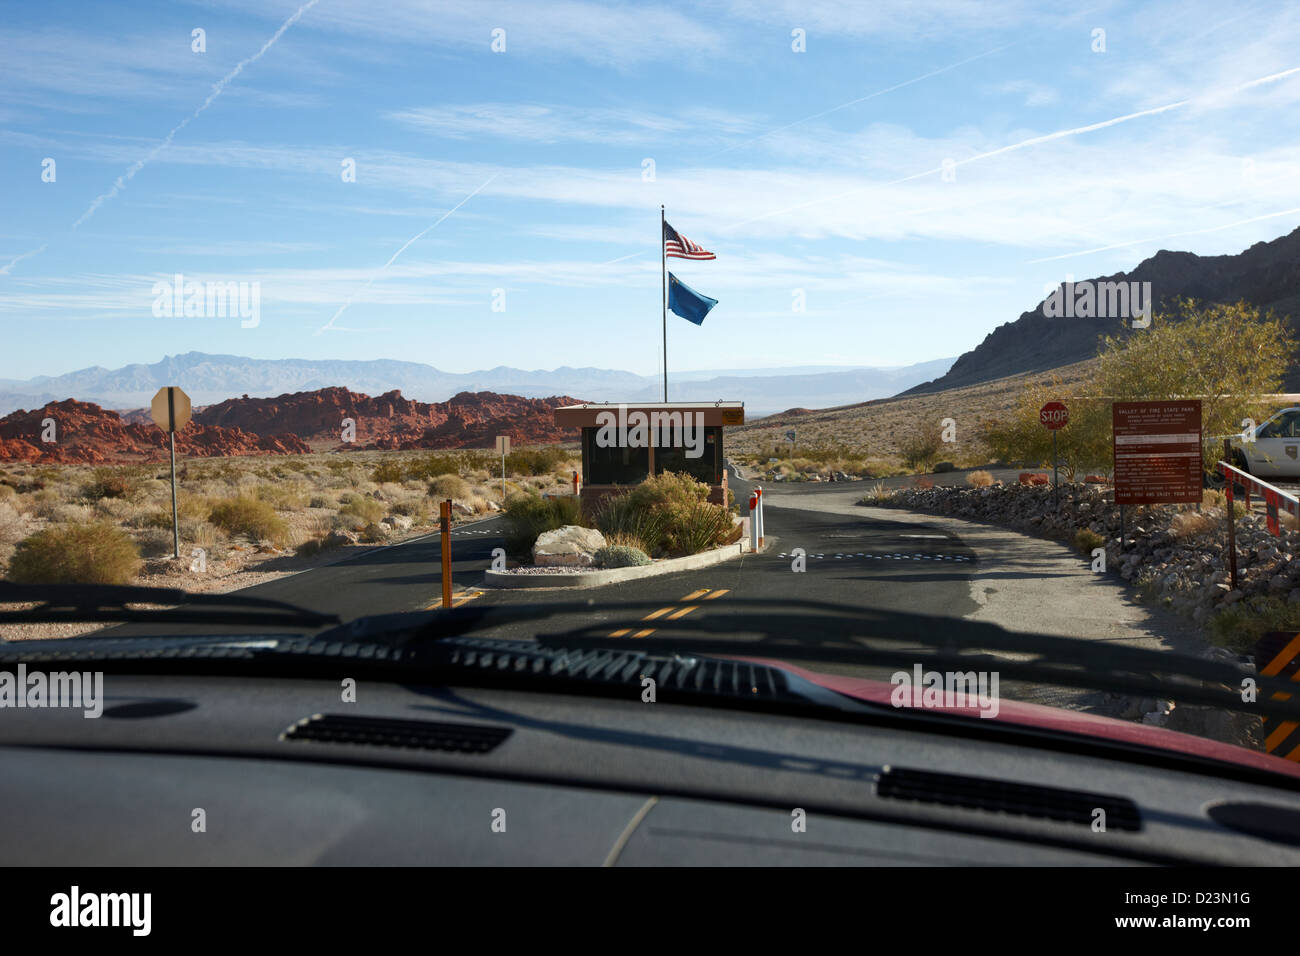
x,y
4,270
1032,141
217,90
1172,235
861,99
393,258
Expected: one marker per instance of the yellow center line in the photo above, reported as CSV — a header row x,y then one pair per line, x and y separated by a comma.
x,y
457,600
672,611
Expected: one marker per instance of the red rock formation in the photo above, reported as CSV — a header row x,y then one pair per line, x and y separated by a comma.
x,y
469,419
87,434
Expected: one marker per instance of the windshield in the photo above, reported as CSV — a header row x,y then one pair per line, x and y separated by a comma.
x,y
357,310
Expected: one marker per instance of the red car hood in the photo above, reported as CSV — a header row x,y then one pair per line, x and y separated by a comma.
x,y
1057,719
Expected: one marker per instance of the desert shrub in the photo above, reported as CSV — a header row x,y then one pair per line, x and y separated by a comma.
x,y
923,483
432,466
155,519
374,534
319,501
113,483
8,491
625,540
621,556
697,527
282,495
536,461
448,486
1212,498
527,516
310,547
621,520
1239,626
390,469
979,479
248,516
1191,524
921,445
670,513
366,510
668,489
877,494
155,542
77,554
1085,540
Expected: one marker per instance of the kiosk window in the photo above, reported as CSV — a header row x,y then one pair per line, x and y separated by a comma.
x,y
613,466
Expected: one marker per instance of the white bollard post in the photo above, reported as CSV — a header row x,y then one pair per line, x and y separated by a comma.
x,y
753,522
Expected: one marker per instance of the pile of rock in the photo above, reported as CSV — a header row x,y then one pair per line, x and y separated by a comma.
x,y
571,546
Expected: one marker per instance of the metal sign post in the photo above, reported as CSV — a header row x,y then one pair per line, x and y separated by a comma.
x,y
1056,486
503,446
1054,416
171,412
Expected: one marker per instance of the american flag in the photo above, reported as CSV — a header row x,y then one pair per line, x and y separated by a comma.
x,y
675,244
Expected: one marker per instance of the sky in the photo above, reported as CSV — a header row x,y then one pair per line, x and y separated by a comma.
x,y
883,183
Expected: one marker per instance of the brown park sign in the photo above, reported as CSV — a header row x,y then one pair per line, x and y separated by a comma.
x,y
170,409
1157,452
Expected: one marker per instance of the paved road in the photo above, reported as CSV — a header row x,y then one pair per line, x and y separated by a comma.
x,y
885,565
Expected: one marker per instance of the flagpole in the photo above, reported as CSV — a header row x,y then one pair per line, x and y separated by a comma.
x,y
663,288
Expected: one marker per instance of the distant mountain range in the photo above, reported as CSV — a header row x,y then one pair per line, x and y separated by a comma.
x,y
210,379
1266,275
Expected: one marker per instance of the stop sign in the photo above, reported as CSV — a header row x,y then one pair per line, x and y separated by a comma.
x,y
1054,415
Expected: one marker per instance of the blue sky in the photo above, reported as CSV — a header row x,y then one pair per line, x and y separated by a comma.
x,y
523,171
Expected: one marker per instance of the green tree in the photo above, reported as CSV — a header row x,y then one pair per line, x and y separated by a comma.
x,y
1229,356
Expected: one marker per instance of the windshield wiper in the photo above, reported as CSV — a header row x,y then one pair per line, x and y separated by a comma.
x,y
841,634
845,635
74,603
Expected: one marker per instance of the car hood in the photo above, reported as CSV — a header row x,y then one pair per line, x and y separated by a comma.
x,y
1057,719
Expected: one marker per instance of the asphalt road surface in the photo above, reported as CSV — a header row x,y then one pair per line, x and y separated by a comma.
x,y
867,563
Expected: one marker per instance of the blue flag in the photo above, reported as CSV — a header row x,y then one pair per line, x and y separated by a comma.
x,y
686,302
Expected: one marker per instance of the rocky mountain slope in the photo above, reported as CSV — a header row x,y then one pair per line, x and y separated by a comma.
x,y
469,419
84,433
1266,275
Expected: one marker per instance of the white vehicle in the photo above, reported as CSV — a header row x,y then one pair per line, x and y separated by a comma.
x,y
1275,452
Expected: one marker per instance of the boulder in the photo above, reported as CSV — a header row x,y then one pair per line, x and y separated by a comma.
x,y
569,546
399,522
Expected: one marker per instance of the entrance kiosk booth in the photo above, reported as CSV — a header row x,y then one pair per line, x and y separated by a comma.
x,y
622,444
